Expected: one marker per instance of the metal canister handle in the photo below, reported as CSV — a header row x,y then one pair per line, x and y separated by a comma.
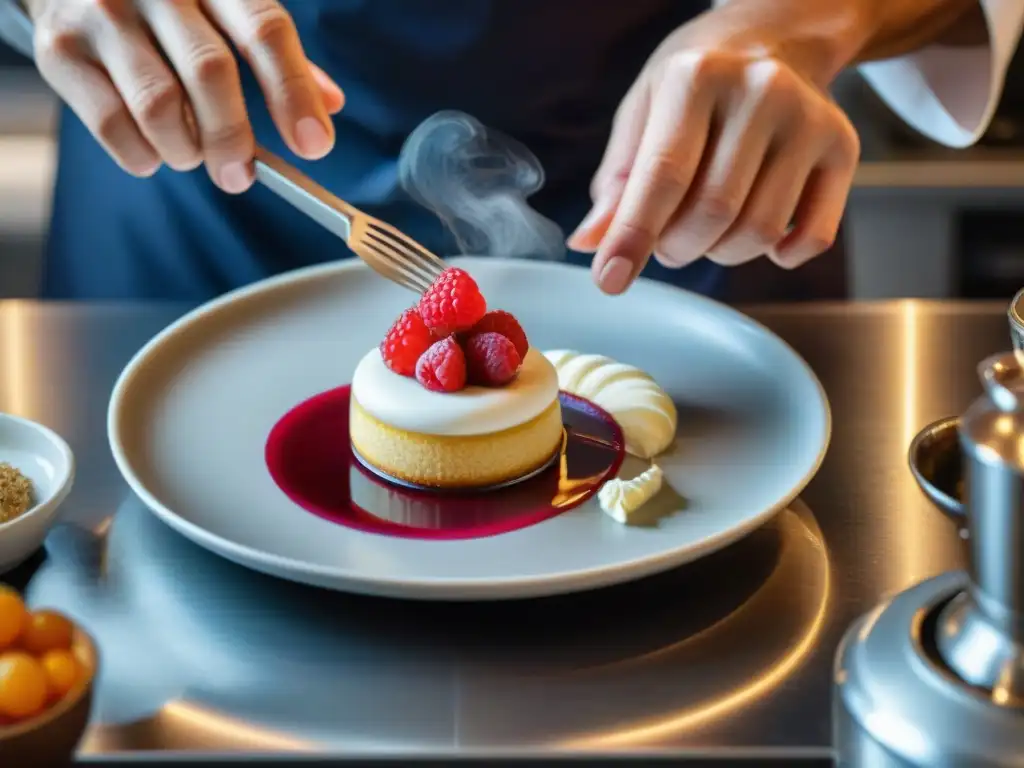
x,y
1002,376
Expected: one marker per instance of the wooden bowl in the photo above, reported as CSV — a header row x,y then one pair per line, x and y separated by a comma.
x,y
51,738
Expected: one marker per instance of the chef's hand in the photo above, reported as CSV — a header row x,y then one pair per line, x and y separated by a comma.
x,y
157,81
720,149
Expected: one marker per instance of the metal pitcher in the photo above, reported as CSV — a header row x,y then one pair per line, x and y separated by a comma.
x,y
935,675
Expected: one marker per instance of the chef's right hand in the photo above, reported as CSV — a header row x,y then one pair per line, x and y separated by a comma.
x,y
157,81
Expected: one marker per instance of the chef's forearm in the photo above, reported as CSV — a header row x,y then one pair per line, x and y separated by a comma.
x,y
913,24
824,37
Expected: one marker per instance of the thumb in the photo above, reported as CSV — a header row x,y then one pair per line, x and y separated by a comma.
x,y
610,178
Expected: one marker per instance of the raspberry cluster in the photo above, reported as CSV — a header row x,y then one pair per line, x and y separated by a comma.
x,y
449,340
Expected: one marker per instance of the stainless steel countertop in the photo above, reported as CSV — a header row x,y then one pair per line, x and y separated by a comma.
x,y
731,655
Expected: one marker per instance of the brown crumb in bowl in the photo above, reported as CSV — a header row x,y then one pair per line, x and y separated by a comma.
x,y
15,493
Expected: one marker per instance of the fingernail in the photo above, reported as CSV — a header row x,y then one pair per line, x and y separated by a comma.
x,y
616,275
312,138
150,169
235,178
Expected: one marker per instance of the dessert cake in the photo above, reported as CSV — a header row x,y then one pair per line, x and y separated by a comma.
x,y
454,397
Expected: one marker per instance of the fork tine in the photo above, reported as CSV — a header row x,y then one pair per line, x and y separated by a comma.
x,y
393,267
420,281
431,264
375,262
396,256
402,257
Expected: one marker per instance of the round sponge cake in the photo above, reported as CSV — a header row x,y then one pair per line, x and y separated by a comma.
x,y
476,437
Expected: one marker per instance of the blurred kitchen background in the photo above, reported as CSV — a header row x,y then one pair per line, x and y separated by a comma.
x,y
922,221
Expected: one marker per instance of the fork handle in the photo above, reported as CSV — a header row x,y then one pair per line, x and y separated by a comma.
x,y
294,187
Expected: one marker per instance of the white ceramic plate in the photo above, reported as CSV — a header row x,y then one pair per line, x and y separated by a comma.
x,y
190,415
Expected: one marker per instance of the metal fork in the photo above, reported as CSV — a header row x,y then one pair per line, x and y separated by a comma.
x,y
385,249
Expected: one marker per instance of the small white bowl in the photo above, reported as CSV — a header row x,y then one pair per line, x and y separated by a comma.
x,y
44,458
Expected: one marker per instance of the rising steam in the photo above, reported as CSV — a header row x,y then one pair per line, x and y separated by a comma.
x,y
477,181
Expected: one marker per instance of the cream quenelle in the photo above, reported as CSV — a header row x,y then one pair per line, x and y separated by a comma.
x,y
620,498
643,409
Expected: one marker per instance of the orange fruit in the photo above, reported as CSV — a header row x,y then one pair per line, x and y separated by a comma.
x,y
62,672
23,685
12,616
46,631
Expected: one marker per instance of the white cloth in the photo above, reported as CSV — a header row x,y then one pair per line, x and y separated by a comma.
x,y
949,94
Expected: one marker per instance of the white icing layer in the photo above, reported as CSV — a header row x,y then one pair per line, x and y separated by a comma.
x,y
621,498
405,404
644,410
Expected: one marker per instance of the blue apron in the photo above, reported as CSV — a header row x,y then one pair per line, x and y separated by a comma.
x,y
549,73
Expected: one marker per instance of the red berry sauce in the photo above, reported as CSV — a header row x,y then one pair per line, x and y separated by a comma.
x,y
310,457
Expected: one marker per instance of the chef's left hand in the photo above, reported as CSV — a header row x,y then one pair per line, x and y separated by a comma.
x,y
720,149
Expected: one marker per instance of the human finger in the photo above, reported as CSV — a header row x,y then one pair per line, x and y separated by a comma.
x,y
210,75
334,97
266,35
718,195
756,124
764,219
151,91
820,210
62,58
610,177
817,219
666,161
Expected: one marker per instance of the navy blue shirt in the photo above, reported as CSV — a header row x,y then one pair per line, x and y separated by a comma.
x,y
549,73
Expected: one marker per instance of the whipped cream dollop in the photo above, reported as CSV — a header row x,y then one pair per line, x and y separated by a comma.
x,y
643,409
621,498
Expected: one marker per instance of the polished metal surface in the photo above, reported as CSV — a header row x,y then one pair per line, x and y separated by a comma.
x,y
1015,316
980,634
715,659
301,192
898,705
935,676
297,669
974,639
936,461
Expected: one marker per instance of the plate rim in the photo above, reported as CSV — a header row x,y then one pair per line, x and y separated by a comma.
x,y
499,587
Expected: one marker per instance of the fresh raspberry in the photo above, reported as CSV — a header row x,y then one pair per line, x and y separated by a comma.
x,y
453,303
403,344
505,323
491,359
442,368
